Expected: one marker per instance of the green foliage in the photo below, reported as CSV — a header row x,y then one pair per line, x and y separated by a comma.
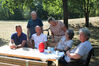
x,y
54,8
20,9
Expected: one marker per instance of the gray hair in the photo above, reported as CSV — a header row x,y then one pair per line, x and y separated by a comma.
x,y
33,12
70,32
85,31
37,26
51,19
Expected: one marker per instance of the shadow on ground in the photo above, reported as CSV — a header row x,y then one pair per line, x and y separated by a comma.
x,y
3,42
95,58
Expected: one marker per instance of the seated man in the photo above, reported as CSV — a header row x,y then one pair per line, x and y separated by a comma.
x,y
38,37
82,50
18,39
66,41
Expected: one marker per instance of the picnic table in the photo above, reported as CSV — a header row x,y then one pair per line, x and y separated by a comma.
x,y
27,57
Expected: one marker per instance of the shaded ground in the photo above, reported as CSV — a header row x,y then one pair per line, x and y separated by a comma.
x,y
3,42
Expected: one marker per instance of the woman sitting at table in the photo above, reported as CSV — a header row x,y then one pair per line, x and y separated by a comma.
x,y
18,39
57,29
81,51
66,41
38,37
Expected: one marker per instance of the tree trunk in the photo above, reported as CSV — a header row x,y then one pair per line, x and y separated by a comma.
x,y
87,14
87,19
65,12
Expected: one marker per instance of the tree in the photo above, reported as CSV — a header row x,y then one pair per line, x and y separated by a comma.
x,y
87,6
15,8
19,9
65,12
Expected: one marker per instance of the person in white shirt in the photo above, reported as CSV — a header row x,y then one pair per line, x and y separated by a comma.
x,y
82,50
66,41
38,37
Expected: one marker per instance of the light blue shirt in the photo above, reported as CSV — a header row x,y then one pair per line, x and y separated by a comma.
x,y
62,44
82,49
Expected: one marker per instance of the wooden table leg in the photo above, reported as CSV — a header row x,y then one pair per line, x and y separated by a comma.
x,y
57,63
27,62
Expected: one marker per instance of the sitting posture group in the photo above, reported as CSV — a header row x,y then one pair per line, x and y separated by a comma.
x,y
60,34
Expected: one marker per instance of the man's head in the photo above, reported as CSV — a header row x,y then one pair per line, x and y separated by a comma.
x,y
84,34
52,21
33,15
18,29
38,29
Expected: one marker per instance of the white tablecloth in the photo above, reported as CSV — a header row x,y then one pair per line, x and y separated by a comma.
x,y
31,52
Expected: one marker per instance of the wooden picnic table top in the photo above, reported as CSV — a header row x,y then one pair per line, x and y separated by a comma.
x,y
29,53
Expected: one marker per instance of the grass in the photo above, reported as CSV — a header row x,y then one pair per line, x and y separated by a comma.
x,y
8,27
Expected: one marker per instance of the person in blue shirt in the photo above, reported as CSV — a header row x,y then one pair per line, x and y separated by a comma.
x,y
32,23
18,39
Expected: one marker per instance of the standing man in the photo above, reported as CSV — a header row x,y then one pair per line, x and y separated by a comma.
x,y
18,39
32,23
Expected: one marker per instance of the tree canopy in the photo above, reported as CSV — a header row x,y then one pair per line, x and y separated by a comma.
x,y
59,9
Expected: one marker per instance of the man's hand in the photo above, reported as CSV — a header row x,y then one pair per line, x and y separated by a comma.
x,y
13,46
68,53
27,39
55,48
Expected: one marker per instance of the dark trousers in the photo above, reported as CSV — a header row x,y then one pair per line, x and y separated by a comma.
x,y
62,61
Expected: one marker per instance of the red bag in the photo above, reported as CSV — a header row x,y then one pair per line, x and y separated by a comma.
x,y
41,47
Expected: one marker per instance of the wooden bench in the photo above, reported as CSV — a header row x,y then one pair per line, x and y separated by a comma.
x,y
8,61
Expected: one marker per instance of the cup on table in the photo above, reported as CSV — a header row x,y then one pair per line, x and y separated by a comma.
x,y
52,48
57,52
49,48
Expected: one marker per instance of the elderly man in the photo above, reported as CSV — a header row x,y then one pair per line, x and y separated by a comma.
x,y
32,23
82,50
57,29
18,39
38,37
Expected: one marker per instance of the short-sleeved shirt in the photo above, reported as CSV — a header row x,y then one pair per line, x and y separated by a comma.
x,y
82,49
18,40
63,43
57,30
38,39
32,24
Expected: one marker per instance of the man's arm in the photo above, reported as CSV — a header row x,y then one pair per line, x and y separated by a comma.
x,y
28,31
11,42
52,36
64,29
21,45
73,55
31,43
